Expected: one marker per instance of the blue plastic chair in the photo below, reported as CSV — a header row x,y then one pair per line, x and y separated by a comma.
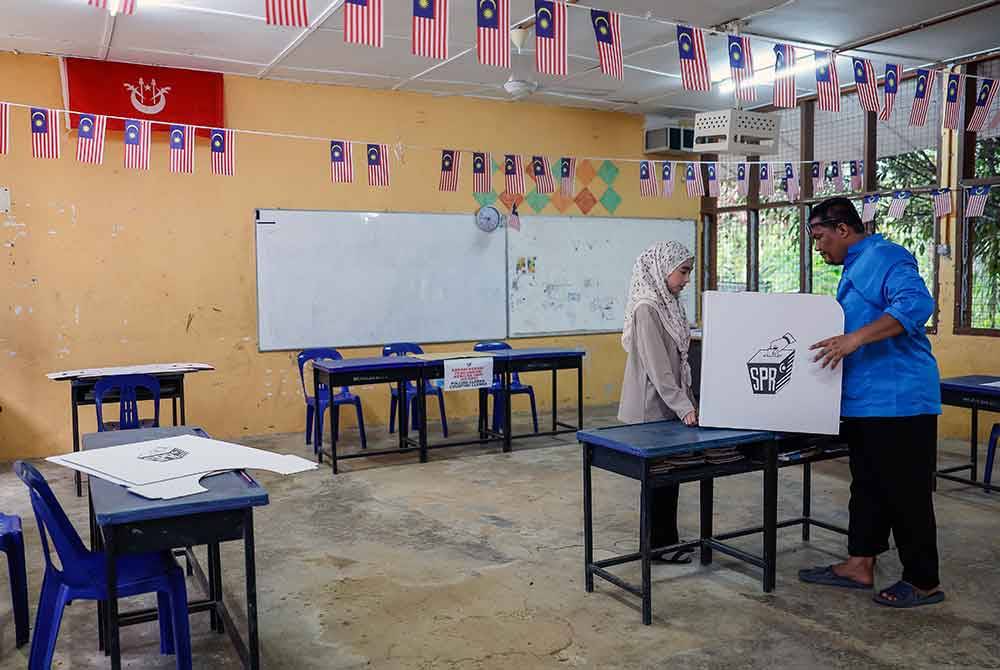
x,y
516,388
345,397
128,404
12,544
83,578
991,453
402,349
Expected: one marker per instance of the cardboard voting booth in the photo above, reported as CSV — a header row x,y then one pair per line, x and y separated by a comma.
x,y
757,371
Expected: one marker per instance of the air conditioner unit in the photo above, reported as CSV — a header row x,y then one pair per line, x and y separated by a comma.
x,y
668,138
736,131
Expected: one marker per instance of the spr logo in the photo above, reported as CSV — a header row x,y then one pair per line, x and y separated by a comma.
x,y
163,454
770,369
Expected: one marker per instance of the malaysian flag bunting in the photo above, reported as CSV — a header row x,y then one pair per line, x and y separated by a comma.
x,y
493,32
953,99
482,172
513,171
713,180
363,22
4,128
864,77
791,182
44,133
766,183
182,149
742,184
987,91
136,140
900,199
294,13
816,171
836,176
922,97
567,176
341,162
647,180
550,37
607,31
856,178
378,165
975,200
741,68
827,83
123,7
889,88
784,76
695,74
430,28
667,175
692,180
514,220
222,143
90,131
942,201
450,160
868,210
542,172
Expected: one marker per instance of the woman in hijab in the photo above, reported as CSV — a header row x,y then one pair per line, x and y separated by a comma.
x,y
657,384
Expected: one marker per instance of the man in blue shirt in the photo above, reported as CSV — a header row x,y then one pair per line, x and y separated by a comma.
x,y
891,401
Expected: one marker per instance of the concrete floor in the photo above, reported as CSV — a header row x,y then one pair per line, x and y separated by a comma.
x,y
474,561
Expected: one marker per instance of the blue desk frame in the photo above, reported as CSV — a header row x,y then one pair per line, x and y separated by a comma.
x,y
123,523
633,451
970,393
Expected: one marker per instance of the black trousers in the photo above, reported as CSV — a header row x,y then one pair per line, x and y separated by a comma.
x,y
892,479
664,516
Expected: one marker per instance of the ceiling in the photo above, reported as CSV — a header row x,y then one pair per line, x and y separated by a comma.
x,y
231,36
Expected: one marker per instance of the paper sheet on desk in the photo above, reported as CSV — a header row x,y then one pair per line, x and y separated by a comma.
x,y
147,369
992,384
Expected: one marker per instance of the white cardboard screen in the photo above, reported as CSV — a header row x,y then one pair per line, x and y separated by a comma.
x,y
757,371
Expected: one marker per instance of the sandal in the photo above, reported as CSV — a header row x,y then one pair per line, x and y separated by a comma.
x,y
905,596
679,557
825,576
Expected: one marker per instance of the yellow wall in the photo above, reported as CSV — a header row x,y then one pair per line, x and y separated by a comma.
x,y
104,266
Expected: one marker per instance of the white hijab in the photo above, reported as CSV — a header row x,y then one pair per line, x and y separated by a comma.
x,y
649,287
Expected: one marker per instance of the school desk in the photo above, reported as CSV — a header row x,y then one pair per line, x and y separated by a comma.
x,y
975,392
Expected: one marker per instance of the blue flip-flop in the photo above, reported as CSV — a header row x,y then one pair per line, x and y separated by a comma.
x,y
907,596
825,576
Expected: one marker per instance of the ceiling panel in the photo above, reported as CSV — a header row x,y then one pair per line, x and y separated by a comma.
x,y
335,78
327,50
182,60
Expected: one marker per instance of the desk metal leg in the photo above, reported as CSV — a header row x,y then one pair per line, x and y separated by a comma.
x,y
579,396
215,586
707,487
555,400
508,430
588,522
770,516
645,539
111,575
253,641
974,445
404,413
76,438
173,407
183,409
806,499
422,418
483,413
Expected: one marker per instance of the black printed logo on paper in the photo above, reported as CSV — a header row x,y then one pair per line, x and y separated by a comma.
x,y
770,369
163,455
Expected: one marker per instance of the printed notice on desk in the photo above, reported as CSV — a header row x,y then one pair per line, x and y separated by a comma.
x,y
995,385
462,374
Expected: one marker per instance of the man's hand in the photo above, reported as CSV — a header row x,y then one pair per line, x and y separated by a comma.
x,y
832,350
691,419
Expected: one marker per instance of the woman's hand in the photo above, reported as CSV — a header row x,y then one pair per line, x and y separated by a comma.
x,y
834,349
691,419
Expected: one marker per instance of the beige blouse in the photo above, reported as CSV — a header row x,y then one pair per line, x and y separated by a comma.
x,y
652,389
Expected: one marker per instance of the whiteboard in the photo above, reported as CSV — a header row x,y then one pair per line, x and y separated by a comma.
x,y
340,279
572,274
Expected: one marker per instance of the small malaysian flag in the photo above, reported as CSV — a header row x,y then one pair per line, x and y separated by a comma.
x,y
136,139
450,161
791,182
647,180
713,180
123,7
742,184
827,83
889,87
378,165
542,172
868,210
514,220
607,31
952,102
836,176
667,175
816,171
126,7
493,32
942,201
430,28
695,75
182,149
482,172
567,176
784,76
363,22
90,132
513,171
975,201
741,68
293,13
223,148
856,177
900,199
922,97
550,37
987,91
766,183
4,128
692,180
44,133
864,78
341,162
